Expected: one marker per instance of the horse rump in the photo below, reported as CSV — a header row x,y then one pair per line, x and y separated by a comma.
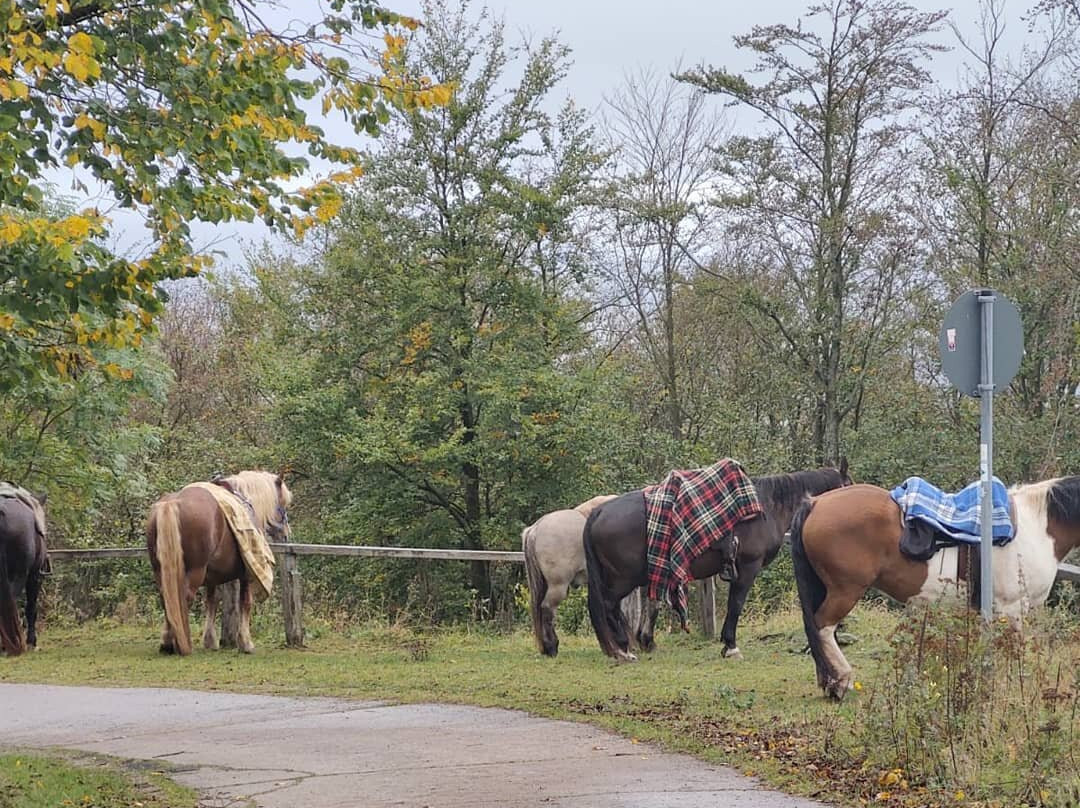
x,y
811,588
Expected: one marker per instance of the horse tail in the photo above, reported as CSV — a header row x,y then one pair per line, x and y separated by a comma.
x,y
170,556
599,594
11,634
537,583
811,588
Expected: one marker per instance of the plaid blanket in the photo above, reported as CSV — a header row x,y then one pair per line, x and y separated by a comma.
x,y
686,513
958,515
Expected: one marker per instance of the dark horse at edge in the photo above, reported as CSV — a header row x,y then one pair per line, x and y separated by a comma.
x,y
23,559
615,552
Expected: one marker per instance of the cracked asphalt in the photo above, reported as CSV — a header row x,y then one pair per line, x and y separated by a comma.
x,y
271,752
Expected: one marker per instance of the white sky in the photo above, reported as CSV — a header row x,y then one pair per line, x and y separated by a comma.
x,y
608,38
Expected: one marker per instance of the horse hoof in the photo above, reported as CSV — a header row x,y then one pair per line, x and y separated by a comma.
x,y
625,656
249,650
166,649
733,653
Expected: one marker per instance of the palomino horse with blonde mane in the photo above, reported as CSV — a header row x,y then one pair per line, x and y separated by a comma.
x,y
555,560
191,544
848,540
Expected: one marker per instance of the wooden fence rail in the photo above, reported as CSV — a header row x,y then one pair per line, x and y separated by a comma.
x,y
291,583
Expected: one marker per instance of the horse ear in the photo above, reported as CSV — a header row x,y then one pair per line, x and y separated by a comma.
x,y
279,481
843,467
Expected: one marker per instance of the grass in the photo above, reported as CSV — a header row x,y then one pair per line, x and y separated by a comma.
x,y
763,714
33,780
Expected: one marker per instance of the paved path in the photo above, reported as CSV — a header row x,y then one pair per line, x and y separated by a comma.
x,y
328,753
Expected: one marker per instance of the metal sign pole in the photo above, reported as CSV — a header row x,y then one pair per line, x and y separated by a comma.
x,y
986,453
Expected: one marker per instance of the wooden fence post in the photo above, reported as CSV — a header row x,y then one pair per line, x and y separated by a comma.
x,y
708,607
292,600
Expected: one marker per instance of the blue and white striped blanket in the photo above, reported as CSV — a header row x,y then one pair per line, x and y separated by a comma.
x,y
956,515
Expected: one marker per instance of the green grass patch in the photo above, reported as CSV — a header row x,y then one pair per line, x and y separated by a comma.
x,y
762,714
58,780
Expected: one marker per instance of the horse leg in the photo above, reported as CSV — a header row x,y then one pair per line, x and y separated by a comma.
x,y
646,631
209,635
736,599
33,589
838,676
555,595
617,623
243,639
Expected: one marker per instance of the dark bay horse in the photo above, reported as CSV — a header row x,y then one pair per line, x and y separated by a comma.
x,y
846,541
191,544
23,558
781,495
616,536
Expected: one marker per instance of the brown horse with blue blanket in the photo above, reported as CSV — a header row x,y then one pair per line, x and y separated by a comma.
x,y
846,541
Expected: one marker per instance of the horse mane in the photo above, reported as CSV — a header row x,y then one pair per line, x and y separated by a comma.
x,y
789,490
261,488
1063,500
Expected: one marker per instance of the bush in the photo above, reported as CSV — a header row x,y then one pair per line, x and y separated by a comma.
x,y
989,712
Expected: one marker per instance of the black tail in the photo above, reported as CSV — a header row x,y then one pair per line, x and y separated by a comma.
x,y
12,641
601,617
811,588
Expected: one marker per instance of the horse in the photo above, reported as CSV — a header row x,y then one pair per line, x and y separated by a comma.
x,y
554,561
844,542
190,544
759,543
616,544
23,560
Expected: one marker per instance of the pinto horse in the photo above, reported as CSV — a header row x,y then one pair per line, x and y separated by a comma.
x,y
615,536
554,560
844,542
191,544
23,558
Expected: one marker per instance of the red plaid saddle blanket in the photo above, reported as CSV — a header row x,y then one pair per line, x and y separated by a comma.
x,y
687,513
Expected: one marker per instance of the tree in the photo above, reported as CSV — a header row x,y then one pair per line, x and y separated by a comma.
x,y
182,111
436,329
662,136
1002,201
823,191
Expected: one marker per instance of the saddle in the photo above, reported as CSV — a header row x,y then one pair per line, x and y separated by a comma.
x,y
920,541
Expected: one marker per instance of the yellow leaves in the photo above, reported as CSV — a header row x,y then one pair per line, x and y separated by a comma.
x,y
81,67
419,341
891,778
81,43
7,321
84,121
545,418
13,88
328,209
79,60
11,230
114,371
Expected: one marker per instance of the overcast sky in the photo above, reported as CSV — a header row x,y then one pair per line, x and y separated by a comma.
x,y
609,38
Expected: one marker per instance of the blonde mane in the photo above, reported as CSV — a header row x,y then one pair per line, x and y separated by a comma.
x,y
261,490
1034,496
